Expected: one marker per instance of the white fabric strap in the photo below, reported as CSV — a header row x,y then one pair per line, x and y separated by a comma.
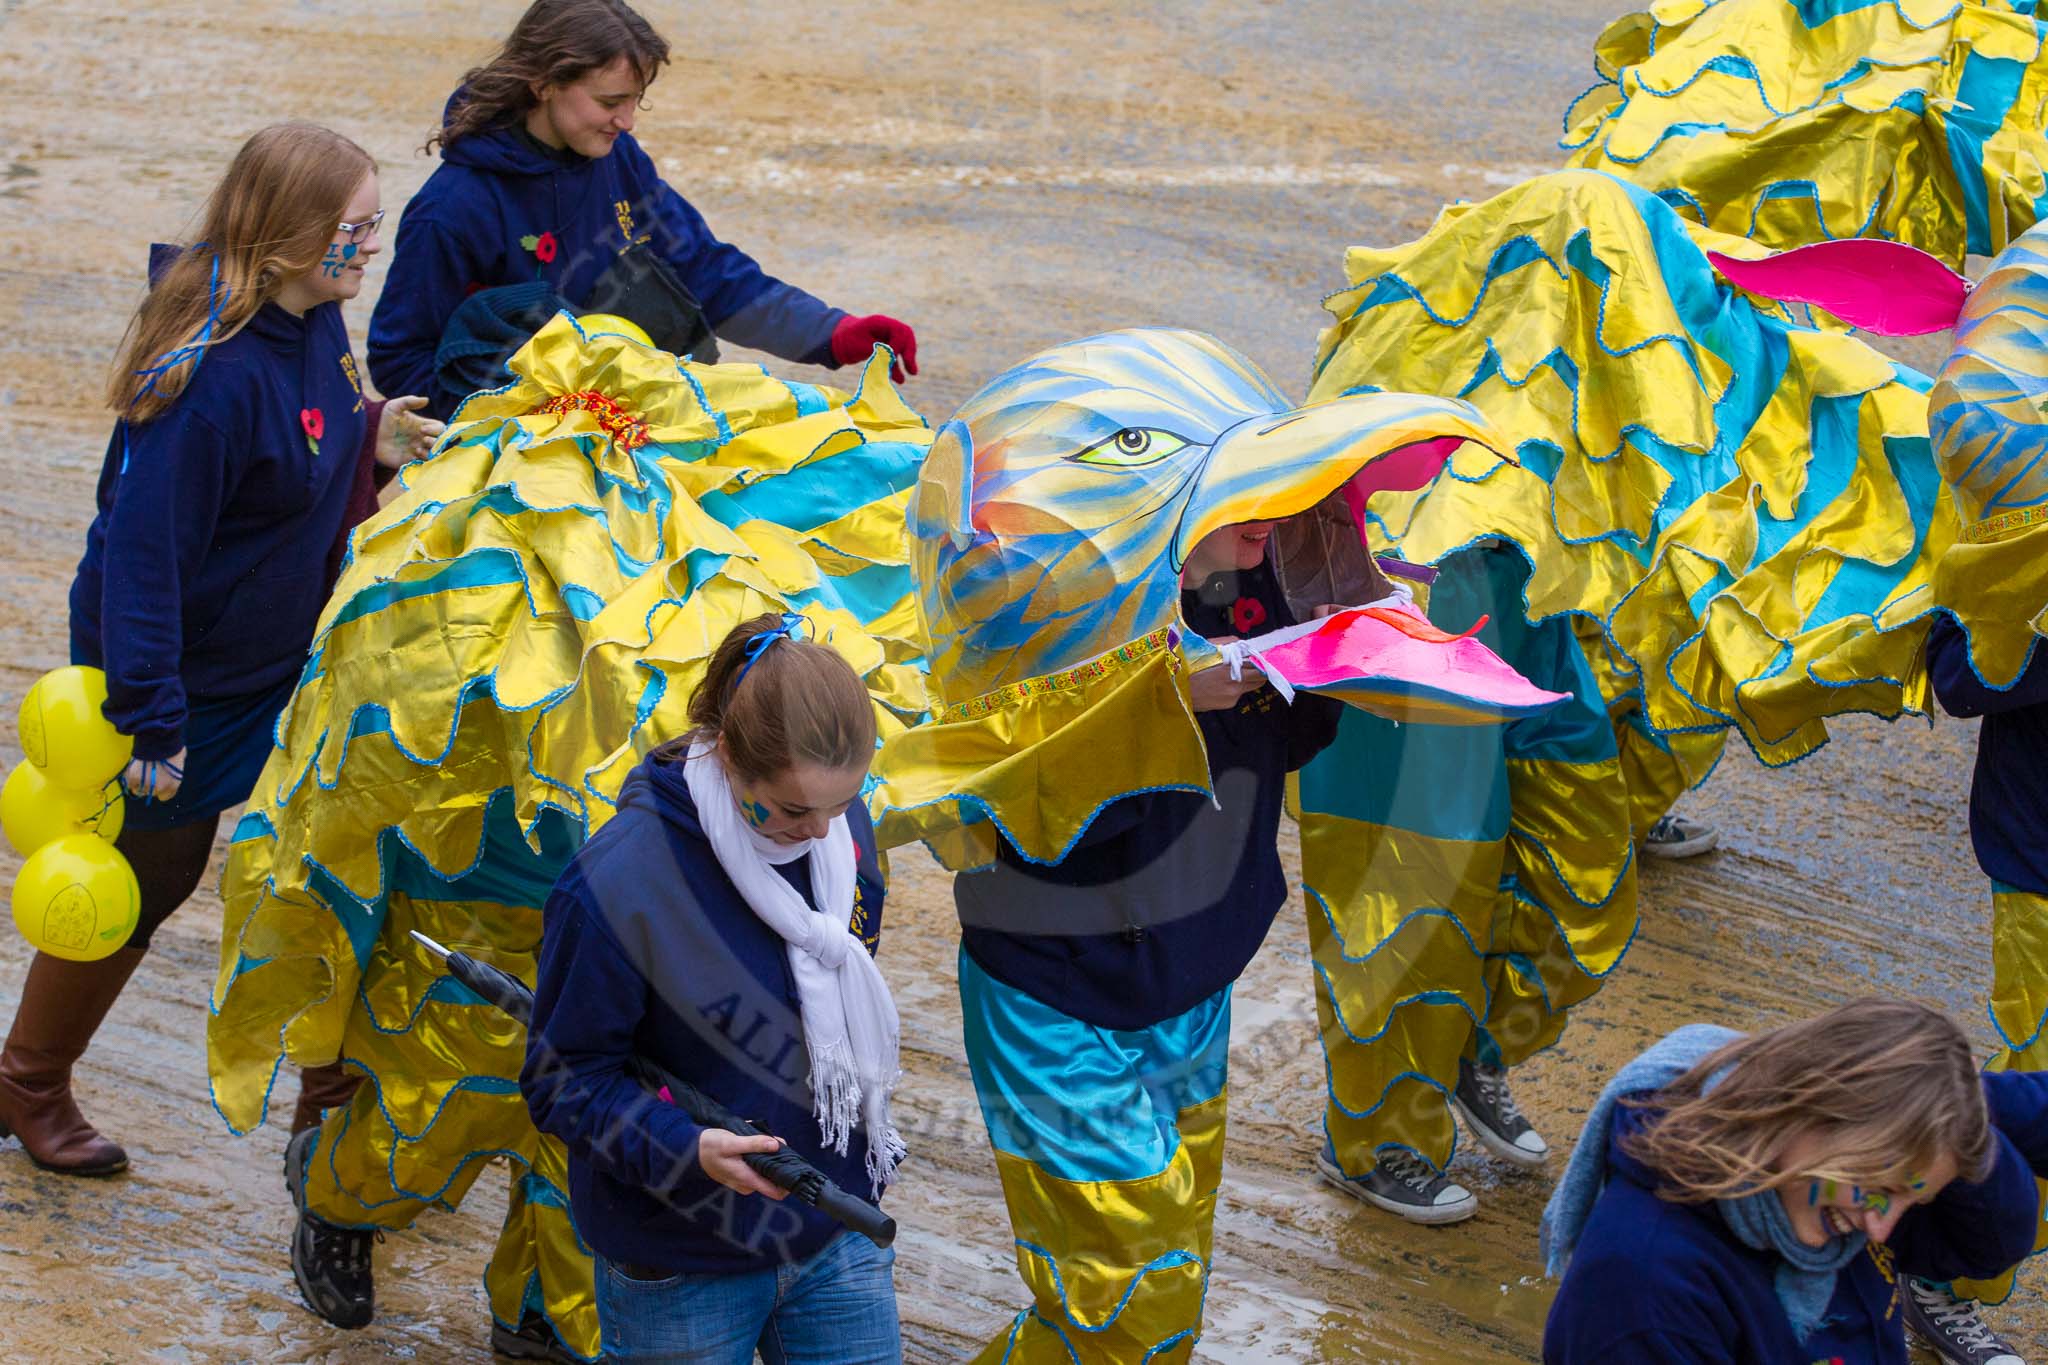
x,y
849,1018
1237,653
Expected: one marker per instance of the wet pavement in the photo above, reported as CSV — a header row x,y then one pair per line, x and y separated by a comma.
x,y
1003,177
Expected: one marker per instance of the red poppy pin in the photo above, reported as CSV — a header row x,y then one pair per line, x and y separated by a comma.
x,y
543,247
315,424
1247,614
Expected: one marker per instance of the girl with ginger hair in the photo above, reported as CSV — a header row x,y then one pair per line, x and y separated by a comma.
x,y
243,449
1758,1198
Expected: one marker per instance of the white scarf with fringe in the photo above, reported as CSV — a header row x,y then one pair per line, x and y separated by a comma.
x,y
849,1018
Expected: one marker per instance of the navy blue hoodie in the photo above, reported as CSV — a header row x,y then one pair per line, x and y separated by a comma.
x,y
648,950
496,191
1166,896
2009,794
210,558
1658,1283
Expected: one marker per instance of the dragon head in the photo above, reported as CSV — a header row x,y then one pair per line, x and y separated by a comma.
x,y
1058,506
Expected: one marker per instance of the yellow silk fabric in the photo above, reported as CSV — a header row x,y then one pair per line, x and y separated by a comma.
x,y
538,1250
1836,129
513,631
1604,302
1043,764
2019,1007
1419,941
1092,1238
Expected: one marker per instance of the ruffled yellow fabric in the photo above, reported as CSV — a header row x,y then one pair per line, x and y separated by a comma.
x,y
1032,761
1748,508
1466,888
510,635
1916,120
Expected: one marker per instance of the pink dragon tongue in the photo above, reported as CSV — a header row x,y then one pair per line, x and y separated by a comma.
x,y
1379,668
1884,287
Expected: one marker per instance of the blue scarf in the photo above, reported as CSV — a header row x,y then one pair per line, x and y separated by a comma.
x,y
1805,1278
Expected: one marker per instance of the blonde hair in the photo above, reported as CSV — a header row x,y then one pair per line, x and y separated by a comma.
x,y
269,220
797,702
1888,1087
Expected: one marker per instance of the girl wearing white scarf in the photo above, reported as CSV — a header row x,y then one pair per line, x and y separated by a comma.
x,y
849,1017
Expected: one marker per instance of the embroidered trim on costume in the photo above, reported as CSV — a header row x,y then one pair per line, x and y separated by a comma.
x,y
1123,656
2004,524
627,431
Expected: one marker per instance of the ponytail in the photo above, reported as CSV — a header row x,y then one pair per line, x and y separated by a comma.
x,y
777,701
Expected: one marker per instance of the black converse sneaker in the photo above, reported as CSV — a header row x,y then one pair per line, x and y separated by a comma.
x,y
1403,1183
535,1340
1952,1328
1482,1097
330,1262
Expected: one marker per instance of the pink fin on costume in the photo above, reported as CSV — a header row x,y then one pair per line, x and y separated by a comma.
x,y
1407,669
1884,287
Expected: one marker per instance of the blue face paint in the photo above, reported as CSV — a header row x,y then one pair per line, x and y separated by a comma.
x,y
337,259
756,814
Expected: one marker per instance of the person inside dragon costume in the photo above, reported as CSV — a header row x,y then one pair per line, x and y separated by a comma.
x,y
1089,534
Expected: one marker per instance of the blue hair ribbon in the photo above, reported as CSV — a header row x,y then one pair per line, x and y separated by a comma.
x,y
193,350
785,629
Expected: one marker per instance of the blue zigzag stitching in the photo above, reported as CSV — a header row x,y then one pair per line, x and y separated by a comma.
x,y
1171,1260
1497,269
1912,101
975,811
437,1198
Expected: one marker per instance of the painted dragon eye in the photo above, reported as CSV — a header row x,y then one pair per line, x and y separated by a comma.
x,y
1131,448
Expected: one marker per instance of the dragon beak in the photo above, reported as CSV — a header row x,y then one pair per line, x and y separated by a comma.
x,y
1277,466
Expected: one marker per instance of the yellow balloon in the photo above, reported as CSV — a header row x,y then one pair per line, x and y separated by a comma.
x,y
33,812
64,733
612,322
76,897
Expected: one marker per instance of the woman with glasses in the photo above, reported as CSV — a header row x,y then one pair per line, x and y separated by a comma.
x,y
243,449
544,201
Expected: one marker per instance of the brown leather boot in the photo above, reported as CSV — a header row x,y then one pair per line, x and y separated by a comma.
x,y
62,1004
322,1088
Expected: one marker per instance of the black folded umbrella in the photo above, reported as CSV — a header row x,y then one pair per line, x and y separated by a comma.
x,y
782,1168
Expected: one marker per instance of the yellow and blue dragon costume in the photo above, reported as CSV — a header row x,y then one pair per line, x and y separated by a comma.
x,y
510,634
1738,518
1048,532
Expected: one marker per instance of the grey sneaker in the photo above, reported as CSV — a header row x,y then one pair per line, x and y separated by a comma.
x,y
1952,1328
1403,1183
1489,1111
1677,837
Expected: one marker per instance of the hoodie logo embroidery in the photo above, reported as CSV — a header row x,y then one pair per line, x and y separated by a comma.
x,y
348,371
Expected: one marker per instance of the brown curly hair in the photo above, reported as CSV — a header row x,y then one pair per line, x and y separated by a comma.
x,y
556,42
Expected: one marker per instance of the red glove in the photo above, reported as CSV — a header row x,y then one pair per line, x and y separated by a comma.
x,y
854,340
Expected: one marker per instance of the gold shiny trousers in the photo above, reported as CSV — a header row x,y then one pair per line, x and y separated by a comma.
x,y
1110,1148
1471,887
440,1094
2019,1011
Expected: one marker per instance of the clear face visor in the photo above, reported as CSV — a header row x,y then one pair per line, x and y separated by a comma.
x,y
1319,558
